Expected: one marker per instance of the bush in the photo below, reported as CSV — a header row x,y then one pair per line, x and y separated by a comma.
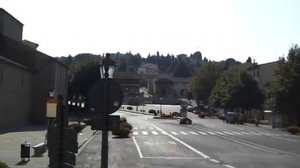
x,y
126,125
123,132
123,119
77,127
293,129
124,128
3,165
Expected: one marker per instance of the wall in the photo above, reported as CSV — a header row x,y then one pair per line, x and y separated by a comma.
x,y
267,73
15,99
52,76
9,26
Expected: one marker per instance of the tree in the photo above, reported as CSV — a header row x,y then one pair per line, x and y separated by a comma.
x,y
237,90
284,93
249,60
203,81
181,70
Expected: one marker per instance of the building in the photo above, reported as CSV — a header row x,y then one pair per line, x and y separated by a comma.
x,y
148,69
264,74
130,84
170,87
26,76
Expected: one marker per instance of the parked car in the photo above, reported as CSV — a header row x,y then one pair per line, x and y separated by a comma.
x,y
234,117
151,111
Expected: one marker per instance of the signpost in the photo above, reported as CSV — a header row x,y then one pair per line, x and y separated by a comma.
x,y
106,97
62,141
97,96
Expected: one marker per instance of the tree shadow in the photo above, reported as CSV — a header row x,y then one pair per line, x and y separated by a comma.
x,y
121,137
22,128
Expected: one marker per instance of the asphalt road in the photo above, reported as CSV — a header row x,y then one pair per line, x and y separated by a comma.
x,y
207,143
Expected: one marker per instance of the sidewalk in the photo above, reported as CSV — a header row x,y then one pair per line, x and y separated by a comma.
x,y
11,140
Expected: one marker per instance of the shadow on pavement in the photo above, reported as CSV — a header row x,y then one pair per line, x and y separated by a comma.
x,y
24,128
22,162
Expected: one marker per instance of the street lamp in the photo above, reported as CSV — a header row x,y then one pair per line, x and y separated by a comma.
x,y
107,69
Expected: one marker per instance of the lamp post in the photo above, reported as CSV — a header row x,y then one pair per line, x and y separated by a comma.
x,y
107,69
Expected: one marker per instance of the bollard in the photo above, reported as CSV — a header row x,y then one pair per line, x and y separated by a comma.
x,y
25,151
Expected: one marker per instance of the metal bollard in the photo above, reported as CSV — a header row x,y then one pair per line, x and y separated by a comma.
x,y
25,151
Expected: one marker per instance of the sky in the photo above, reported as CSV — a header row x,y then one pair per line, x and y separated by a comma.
x,y
219,29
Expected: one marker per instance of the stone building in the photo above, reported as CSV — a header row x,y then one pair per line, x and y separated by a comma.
x,y
26,76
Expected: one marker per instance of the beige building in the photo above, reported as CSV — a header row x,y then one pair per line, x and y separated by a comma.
x,y
264,74
26,76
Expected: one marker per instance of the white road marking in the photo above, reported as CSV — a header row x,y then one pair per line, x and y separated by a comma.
x,y
154,132
203,133
172,157
174,133
228,166
144,132
135,128
182,132
172,142
192,132
264,133
214,160
246,133
142,127
151,128
137,147
163,132
219,133
211,133
184,144
237,133
255,133
229,133
135,133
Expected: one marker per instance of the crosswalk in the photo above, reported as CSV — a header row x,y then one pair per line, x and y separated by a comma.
x,y
144,131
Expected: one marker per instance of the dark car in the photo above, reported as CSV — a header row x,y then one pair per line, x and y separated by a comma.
x,y
234,117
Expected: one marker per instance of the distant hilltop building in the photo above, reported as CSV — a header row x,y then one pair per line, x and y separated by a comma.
x,y
148,69
26,76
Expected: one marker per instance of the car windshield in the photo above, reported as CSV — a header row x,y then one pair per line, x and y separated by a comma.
x,y
150,83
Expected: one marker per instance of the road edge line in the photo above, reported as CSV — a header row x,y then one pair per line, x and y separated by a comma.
x,y
85,142
137,147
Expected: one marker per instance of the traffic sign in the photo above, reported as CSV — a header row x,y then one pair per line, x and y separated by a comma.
x,y
112,124
97,96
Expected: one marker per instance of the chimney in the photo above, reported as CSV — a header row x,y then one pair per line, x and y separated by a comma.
x,y
10,26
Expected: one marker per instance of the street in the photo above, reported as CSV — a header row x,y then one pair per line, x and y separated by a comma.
x,y
207,143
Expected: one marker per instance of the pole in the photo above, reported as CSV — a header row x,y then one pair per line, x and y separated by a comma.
x,y
104,149
61,120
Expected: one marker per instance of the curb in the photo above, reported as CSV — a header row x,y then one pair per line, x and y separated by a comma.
x,y
85,142
135,112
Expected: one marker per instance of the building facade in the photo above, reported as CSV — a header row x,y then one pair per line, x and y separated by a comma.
x,y
26,76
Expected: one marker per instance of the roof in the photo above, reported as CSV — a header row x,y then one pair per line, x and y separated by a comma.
x,y
24,55
12,62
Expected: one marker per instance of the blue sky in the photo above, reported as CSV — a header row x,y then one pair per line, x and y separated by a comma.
x,y
220,29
